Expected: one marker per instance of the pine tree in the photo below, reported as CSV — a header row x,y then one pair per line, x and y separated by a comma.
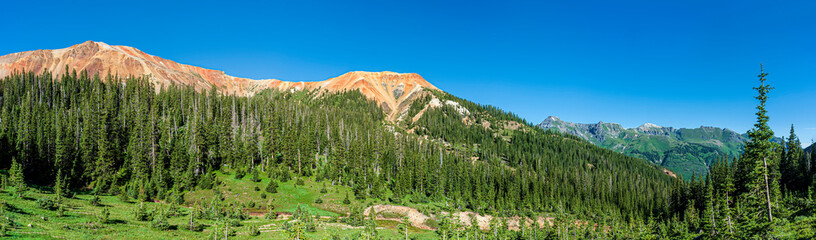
x,y
405,224
272,187
759,152
346,200
17,178
793,168
58,185
709,223
728,189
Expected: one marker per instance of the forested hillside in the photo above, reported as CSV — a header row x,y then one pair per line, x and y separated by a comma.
x,y
73,139
122,137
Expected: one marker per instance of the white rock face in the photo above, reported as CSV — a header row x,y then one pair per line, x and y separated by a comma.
x,y
459,108
650,125
435,103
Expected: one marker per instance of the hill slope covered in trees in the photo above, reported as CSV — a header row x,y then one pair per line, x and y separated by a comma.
x,y
85,133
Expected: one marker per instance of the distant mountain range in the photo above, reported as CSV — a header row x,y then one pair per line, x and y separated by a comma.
x,y
684,151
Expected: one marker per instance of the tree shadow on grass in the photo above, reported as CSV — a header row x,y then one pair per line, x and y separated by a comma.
x,y
12,208
117,221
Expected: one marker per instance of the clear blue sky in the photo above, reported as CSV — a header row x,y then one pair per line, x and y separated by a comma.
x,y
672,63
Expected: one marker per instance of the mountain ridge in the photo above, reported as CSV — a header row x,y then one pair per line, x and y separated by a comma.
x,y
683,150
392,91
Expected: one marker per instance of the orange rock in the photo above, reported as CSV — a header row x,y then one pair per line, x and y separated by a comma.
x,y
393,91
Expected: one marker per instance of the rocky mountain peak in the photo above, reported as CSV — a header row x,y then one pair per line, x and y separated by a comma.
x,y
393,91
649,125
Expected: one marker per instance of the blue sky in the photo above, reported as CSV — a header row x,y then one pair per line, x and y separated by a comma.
x,y
672,63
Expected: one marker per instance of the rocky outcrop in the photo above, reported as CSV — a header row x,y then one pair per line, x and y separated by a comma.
x,y
393,91
594,132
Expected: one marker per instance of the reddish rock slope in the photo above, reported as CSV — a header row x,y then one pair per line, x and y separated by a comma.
x,y
393,91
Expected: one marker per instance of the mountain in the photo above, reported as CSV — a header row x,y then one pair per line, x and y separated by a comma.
x,y
392,91
684,151
331,148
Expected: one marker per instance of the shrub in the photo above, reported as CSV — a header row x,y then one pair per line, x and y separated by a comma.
x,y
318,200
346,200
239,174
95,200
195,227
123,196
395,200
270,216
173,211
419,198
284,175
46,203
430,222
257,188
235,223
300,182
160,222
253,230
263,195
356,217
255,177
141,213
60,211
272,187
103,216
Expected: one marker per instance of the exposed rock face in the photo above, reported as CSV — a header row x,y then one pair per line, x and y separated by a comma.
x,y
597,132
393,91
100,58
652,129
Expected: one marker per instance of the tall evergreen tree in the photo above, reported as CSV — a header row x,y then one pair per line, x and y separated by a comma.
x,y
759,156
17,177
709,223
793,165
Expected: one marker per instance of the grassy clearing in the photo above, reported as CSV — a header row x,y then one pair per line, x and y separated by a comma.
x,y
26,220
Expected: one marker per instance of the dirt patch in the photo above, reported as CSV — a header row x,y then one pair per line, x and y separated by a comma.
x,y
467,121
670,173
256,213
513,125
466,218
342,226
486,124
416,218
513,223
